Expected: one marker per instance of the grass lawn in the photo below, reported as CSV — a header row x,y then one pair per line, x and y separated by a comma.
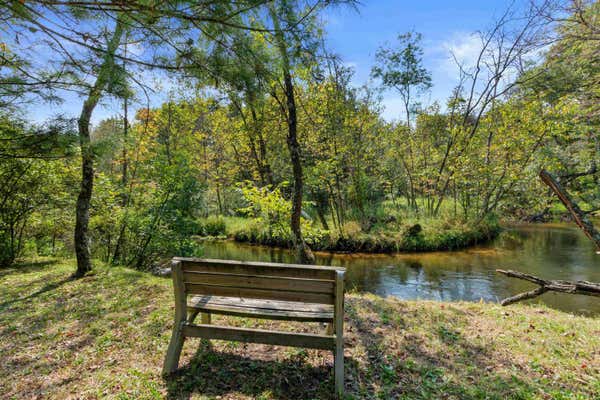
x,y
105,336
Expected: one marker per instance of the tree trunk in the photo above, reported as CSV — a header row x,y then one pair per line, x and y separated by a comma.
x,y
303,253
125,195
82,216
321,200
577,214
82,213
125,138
266,172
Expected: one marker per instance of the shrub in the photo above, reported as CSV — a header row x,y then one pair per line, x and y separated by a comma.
x,y
214,226
269,206
351,228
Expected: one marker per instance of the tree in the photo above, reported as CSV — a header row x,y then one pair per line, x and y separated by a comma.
x,y
505,48
92,51
303,252
567,79
30,164
106,77
401,68
292,32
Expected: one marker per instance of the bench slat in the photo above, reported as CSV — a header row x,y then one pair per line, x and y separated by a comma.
x,y
270,309
268,304
307,340
260,282
321,298
258,268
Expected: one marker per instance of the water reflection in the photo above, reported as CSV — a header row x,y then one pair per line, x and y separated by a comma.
x,y
553,251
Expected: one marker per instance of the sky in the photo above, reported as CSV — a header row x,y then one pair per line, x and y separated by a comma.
x,y
447,27
355,34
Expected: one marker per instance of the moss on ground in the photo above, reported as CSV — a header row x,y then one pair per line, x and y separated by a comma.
x,y
105,336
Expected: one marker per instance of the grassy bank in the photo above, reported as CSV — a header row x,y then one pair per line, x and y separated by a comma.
x,y
408,236
105,336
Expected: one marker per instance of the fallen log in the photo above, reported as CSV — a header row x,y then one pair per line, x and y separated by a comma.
x,y
579,216
579,287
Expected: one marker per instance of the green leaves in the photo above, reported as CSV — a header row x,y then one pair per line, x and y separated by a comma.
x,y
401,68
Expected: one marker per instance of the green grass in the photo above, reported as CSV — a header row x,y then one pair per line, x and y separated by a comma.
x,y
105,336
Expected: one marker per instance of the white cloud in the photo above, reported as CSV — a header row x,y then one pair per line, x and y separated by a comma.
x,y
460,49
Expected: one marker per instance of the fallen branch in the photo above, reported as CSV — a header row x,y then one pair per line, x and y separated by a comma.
x,y
579,216
580,287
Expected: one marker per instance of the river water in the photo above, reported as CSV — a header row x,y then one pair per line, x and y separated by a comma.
x,y
551,251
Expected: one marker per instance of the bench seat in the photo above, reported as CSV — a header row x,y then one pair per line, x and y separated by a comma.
x,y
260,308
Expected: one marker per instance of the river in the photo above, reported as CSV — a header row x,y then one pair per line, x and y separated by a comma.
x,y
551,251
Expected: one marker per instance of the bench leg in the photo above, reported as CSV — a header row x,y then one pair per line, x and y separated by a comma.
x,y
339,367
329,329
205,317
339,334
174,350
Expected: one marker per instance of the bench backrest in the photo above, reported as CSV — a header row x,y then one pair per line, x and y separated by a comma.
x,y
258,280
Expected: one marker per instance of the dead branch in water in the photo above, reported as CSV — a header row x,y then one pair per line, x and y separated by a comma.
x,y
580,287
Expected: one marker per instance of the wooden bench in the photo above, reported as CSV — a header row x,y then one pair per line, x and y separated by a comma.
x,y
259,290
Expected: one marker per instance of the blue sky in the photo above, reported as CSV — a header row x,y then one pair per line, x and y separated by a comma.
x,y
355,35
446,26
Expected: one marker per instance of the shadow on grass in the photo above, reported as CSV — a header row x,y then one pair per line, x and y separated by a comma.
x,y
46,288
411,368
386,357
216,373
61,288
26,267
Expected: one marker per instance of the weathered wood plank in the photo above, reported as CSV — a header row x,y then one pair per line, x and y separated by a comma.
x,y
322,298
176,343
258,268
260,282
267,304
215,261
268,314
312,341
277,310
339,334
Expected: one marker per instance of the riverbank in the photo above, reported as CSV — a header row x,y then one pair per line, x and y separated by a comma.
x,y
105,336
409,236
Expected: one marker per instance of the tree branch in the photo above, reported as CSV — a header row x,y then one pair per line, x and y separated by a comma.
x,y
578,215
580,287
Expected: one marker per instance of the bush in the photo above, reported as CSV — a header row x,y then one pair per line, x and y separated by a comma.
x,y
214,226
351,228
436,235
